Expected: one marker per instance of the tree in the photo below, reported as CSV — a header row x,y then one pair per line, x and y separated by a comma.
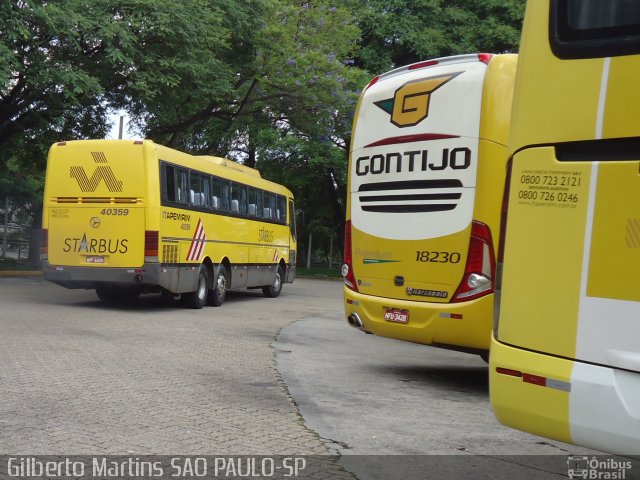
x,y
64,64
400,32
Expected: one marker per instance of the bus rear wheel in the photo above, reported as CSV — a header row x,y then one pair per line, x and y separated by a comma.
x,y
273,290
197,299
219,291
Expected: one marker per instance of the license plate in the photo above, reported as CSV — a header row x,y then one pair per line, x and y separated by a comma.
x,y
95,259
396,315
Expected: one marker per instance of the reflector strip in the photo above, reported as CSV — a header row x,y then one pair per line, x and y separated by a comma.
x,y
535,379
508,371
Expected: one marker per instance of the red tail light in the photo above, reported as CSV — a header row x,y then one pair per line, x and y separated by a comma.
x,y
485,57
347,267
373,82
428,63
44,241
479,271
151,243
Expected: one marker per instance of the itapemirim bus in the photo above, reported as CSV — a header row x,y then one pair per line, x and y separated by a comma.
x,y
426,177
126,217
565,359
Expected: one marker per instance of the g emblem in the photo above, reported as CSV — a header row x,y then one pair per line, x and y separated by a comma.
x,y
410,103
94,222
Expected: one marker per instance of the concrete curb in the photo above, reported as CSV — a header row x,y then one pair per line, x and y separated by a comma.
x,y
19,273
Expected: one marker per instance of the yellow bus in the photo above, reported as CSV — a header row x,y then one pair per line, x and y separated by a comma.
x,y
126,217
426,175
565,359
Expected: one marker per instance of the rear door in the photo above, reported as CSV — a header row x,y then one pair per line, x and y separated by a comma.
x,y
96,191
413,179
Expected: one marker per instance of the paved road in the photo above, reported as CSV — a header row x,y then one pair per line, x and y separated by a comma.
x,y
152,378
368,395
79,377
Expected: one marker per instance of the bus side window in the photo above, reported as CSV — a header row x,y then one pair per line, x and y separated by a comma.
x,y
199,190
183,182
216,193
169,186
270,206
292,219
252,195
238,198
281,206
226,196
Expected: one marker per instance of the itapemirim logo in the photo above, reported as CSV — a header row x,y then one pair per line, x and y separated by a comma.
x,y
101,173
410,103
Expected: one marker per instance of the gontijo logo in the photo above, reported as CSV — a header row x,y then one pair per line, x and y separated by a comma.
x,y
410,103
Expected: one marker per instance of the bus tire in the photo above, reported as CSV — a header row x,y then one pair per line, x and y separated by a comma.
x,y
273,290
197,299
219,291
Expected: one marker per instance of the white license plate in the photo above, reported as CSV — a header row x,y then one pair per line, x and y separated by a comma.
x,y
95,259
397,315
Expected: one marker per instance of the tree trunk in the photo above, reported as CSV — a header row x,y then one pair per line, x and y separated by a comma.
x,y
337,205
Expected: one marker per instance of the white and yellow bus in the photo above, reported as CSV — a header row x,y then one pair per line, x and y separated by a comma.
x,y
124,217
426,175
565,359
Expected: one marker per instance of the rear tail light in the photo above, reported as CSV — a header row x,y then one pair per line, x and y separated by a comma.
x,y
151,243
428,63
485,57
479,271
347,267
44,242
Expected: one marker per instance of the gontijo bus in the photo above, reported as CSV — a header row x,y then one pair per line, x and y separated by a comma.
x,y
565,360
124,217
426,175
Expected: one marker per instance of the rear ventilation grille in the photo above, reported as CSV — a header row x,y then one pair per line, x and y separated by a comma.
x,y
169,253
102,200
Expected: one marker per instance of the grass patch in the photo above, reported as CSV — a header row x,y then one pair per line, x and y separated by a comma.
x,y
319,272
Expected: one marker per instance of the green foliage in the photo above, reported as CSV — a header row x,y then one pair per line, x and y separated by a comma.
x,y
271,82
400,32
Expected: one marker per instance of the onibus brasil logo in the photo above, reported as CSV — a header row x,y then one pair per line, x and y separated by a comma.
x,y
597,468
410,103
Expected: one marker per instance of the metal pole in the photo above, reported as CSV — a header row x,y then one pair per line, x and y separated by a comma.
x,y
6,227
121,127
330,251
309,252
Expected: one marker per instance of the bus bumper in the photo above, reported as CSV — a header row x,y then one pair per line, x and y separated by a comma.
x,y
458,326
566,400
148,275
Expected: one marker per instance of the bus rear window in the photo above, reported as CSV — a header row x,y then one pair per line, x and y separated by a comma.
x,y
594,28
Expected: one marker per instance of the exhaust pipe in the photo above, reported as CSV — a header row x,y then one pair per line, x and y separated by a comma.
x,y
355,322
